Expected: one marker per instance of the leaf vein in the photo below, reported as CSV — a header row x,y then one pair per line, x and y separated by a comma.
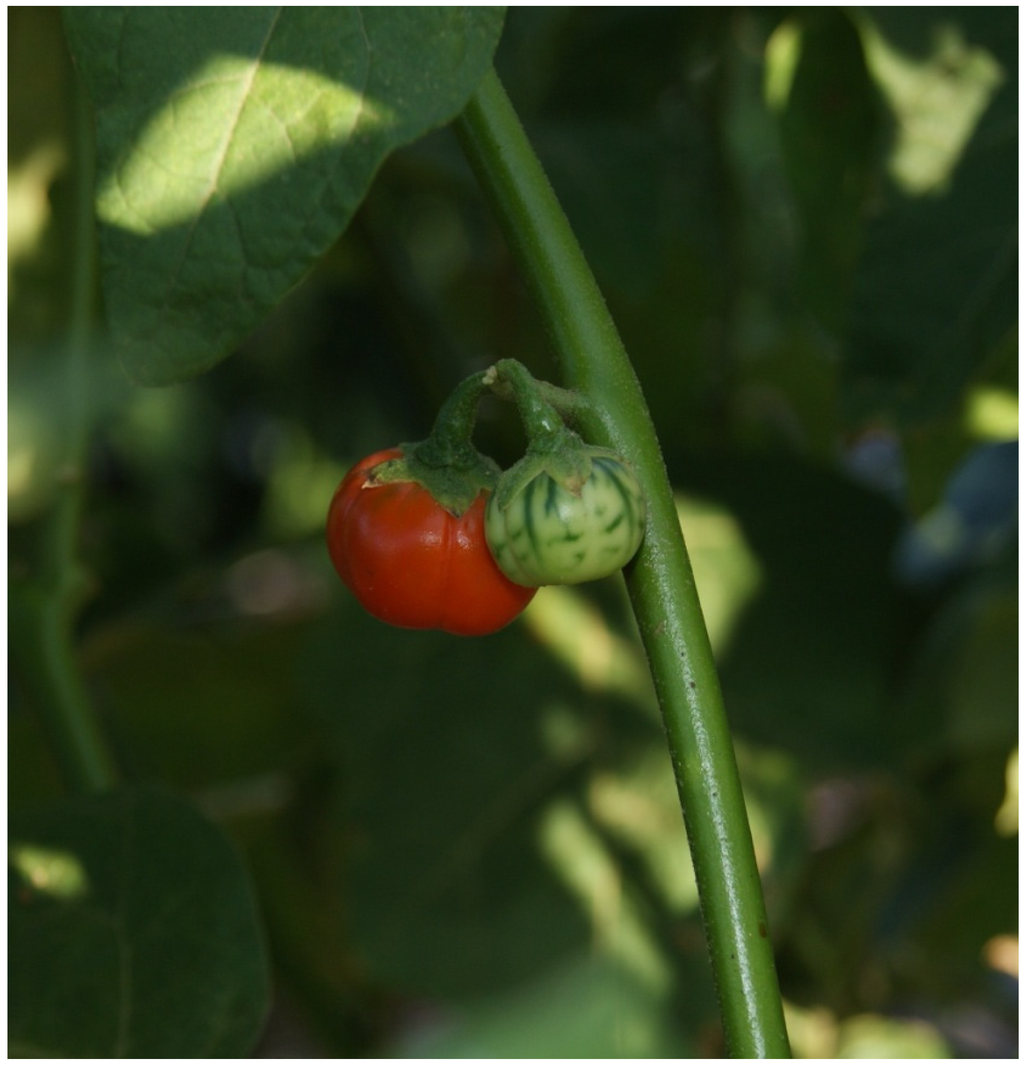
x,y
219,164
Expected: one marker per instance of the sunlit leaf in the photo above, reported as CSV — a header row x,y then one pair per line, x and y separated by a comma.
x,y
936,98
875,1037
234,145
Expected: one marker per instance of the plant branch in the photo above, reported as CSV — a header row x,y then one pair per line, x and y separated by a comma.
x,y
660,580
44,602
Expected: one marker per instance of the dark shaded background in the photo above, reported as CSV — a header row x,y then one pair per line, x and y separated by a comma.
x,y
805,225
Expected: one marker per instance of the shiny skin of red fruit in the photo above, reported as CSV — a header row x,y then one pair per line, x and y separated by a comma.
x,y
411,563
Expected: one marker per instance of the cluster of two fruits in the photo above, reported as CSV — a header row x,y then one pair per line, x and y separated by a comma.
x,y
435,536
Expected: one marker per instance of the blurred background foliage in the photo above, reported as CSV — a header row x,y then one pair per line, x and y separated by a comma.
x,y
805,224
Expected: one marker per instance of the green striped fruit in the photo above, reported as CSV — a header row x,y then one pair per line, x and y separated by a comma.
x,y
547,534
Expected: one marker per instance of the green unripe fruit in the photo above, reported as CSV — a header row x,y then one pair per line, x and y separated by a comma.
x,y
550,534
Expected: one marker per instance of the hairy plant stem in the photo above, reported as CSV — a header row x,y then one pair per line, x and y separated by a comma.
x,y
660,579
540,418
450,439
45,601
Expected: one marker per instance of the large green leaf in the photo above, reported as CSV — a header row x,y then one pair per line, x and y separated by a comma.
x,y
132,932
234,145
477,831
447,780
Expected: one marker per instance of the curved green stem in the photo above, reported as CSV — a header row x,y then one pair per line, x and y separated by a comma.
x,y
660,580
44,603
540,419
451,438
565,402
447,464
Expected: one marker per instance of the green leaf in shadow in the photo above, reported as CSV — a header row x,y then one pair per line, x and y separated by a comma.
x,y
132,932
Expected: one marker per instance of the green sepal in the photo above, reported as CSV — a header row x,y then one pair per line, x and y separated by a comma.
x,y
563,455
454,481
447,464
